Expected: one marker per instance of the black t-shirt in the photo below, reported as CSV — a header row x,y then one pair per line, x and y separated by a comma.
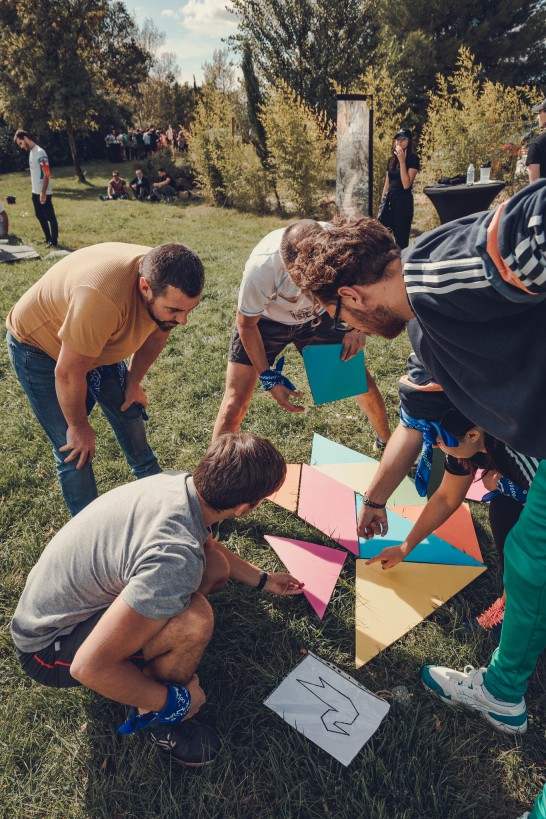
x,y
518,468
536,155
395,182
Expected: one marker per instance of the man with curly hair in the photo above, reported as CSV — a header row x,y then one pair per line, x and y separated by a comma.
x,y
473,295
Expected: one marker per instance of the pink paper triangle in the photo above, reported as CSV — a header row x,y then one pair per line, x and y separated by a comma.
x,y
477,489
329,506
315,565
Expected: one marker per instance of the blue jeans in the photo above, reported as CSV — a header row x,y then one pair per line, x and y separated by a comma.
x,y
35,371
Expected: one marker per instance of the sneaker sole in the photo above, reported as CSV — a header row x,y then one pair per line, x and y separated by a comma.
x,y
501,727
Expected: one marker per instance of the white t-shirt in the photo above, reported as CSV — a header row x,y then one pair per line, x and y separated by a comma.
x,y
39,164
267,289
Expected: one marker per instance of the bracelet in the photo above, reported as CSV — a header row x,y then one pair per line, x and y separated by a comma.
x,y
262,581
367,502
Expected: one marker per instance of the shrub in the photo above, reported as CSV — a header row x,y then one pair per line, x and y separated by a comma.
x,y
299,148
473,120
228,169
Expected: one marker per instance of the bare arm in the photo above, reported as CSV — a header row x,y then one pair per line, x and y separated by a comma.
x,y
140,363
386,185
401,451
71,389
101,662
254,347
45,182
534,172
447,498
245,572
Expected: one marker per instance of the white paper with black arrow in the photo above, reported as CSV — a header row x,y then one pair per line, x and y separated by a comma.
x,y
328,707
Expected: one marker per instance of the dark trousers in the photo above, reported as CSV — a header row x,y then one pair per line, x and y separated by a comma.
x,y
398,215
45,214
504,513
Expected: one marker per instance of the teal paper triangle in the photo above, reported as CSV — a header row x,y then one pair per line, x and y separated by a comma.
x,y
325,451
431,550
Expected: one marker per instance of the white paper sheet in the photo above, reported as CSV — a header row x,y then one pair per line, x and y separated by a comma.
x,y
328,707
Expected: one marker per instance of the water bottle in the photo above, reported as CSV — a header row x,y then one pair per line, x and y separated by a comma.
x,y
470,175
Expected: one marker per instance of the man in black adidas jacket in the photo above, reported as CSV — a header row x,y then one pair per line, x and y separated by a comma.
x,y
476,288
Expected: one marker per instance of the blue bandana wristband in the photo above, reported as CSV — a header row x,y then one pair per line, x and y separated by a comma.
x,y
430,431
175,709
508,488
270,378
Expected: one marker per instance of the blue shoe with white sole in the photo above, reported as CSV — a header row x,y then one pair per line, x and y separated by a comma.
x,y
467,688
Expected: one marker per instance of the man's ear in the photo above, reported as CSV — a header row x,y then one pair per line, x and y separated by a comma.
x,y
144,286
352,292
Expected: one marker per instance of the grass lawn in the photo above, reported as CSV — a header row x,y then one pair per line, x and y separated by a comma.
x,y
59,754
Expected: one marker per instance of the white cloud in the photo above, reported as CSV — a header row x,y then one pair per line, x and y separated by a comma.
x,y
208,18
170,13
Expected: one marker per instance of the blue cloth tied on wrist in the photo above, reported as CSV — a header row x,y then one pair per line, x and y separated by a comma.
x,y
174,710
94,381
270,378
430,431
507,487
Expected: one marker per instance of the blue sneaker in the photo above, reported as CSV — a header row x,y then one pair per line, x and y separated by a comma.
x,y
467,688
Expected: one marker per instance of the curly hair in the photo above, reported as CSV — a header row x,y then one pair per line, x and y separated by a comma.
x,y
347,253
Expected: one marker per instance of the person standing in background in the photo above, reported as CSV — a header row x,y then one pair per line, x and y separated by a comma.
x,y
536,155
396,209
40,179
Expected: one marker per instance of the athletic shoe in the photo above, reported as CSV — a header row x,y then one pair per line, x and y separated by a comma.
x,y
467,688
102,197
189,742
526,815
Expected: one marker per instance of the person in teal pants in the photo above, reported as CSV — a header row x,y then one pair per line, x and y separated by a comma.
x,y
539,809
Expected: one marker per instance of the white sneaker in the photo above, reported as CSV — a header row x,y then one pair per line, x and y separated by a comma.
x,y
526,815
466,688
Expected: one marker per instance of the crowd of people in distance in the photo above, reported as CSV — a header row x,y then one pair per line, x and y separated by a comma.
x,y
163,189
127,144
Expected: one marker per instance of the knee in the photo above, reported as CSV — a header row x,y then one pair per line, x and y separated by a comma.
x,y
199,618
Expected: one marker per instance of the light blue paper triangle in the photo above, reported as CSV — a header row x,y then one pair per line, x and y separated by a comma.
x,y
325,451
331,378
431,550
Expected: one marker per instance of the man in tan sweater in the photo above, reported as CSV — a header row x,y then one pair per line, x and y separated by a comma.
x,y
68,337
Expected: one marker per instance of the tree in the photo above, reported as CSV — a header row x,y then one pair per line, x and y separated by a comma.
x,y
308,43
64,61
507,38
220,71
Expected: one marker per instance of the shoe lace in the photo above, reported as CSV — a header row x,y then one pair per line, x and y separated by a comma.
x,y
493,615
463,677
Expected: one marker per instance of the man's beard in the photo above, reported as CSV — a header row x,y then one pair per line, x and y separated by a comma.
x,y
377,321
163,325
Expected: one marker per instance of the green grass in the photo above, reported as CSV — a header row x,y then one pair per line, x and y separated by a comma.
x,y
59,755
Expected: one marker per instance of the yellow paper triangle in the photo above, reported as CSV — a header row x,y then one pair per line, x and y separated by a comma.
x,y
391,602
359,476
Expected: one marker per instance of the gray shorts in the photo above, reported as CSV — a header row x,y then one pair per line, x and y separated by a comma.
x,y
277,336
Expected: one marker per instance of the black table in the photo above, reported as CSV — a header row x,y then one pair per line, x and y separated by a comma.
x,y
454,201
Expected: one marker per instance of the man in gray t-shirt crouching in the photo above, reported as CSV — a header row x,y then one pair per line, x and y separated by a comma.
x,y
117,600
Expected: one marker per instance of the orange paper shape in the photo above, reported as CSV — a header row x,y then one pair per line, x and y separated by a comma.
x,y
315,565
287,495
458,530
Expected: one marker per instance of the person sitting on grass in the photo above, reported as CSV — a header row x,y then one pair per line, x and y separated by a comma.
x,y
117,188
117,601
164,189
4,222
508,476
140,185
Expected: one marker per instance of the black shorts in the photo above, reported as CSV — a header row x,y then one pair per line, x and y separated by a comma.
x,y
277,336
51,665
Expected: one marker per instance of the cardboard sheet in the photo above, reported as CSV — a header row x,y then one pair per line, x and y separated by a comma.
x,y
287,495
325,451
328,707
390,603
331,378
329,506
359,476
431,550
457,530
315,565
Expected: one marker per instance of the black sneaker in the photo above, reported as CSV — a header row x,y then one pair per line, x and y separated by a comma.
x,y
189,742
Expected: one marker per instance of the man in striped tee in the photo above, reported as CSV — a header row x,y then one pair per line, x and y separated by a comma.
x,y
472,293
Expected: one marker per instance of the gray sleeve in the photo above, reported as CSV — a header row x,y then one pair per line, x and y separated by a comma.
x,y
164,581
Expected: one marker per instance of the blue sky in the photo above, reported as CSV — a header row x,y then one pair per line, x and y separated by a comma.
x,y
194,28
